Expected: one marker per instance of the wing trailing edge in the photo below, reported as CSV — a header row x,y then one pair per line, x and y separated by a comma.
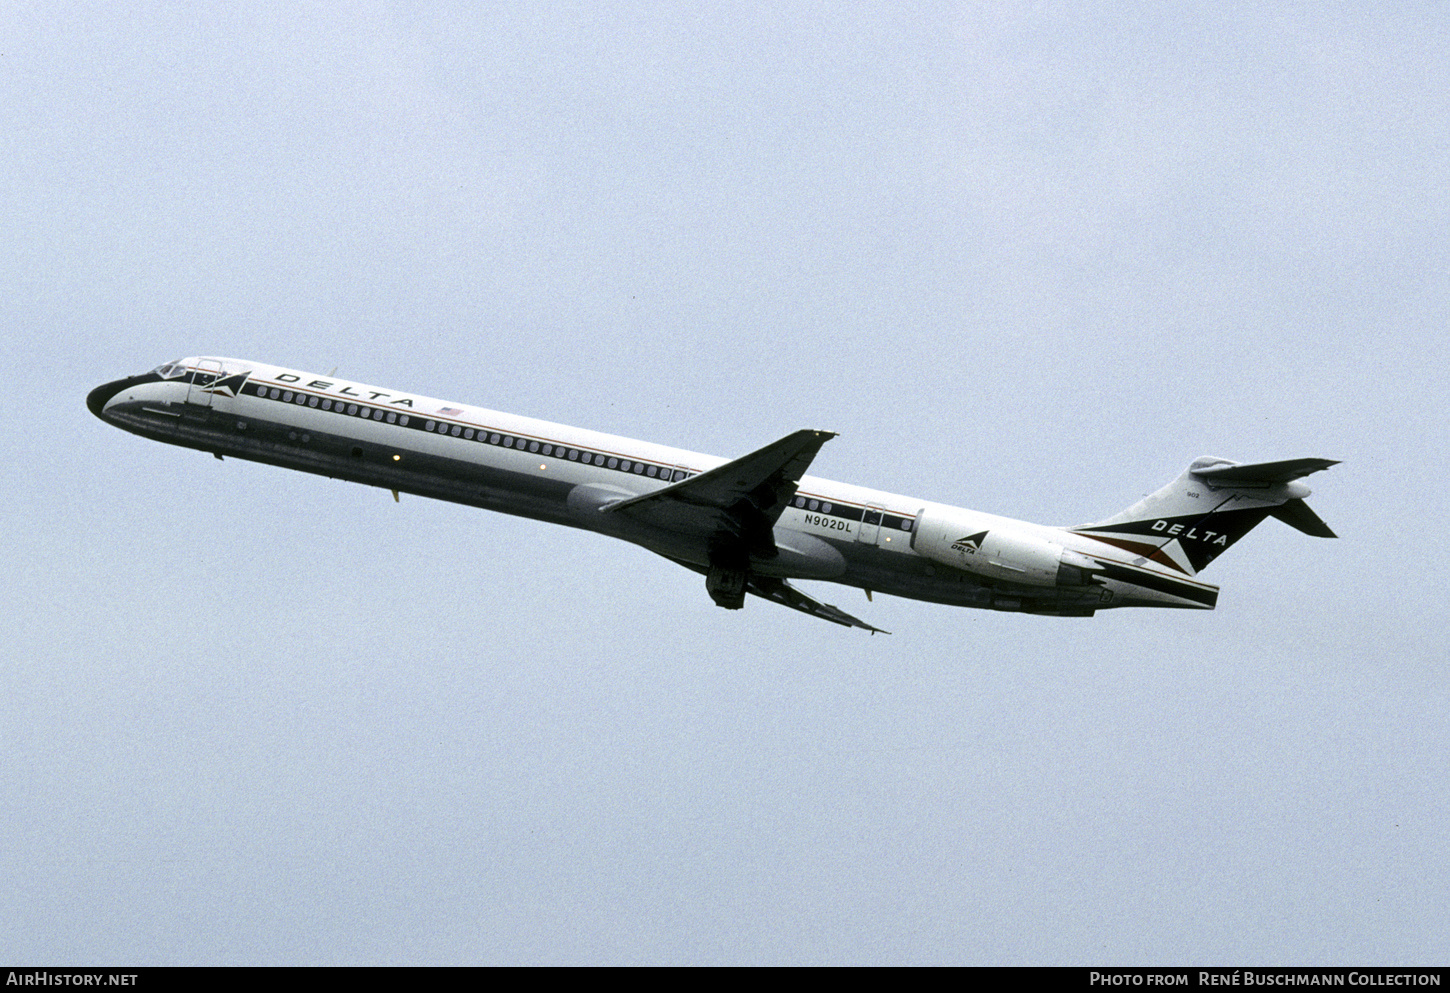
x,y
783,593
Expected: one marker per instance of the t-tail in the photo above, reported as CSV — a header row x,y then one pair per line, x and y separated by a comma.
x,y
1197,517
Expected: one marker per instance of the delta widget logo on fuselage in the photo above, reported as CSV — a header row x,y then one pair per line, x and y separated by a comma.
x,y
971,544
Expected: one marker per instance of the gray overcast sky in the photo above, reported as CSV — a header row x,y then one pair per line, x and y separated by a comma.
x,y
1030,258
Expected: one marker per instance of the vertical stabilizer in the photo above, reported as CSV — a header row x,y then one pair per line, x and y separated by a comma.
x,y
1201,514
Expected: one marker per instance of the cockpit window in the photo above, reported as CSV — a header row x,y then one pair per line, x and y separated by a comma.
x,y
171,370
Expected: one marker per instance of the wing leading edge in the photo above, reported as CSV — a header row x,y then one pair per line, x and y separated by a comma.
x,y
734,505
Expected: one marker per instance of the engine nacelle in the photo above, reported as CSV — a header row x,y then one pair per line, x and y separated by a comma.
x,y
1012,556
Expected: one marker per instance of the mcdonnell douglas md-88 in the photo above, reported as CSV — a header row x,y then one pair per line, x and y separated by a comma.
x,y
748,525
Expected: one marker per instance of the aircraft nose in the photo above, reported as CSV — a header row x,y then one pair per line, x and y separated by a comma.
x,y
97,399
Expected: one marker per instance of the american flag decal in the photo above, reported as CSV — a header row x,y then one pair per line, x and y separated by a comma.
x,y
449,411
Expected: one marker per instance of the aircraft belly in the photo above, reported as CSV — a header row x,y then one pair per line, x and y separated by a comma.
x,y
801,556
915,578
798,555
344,457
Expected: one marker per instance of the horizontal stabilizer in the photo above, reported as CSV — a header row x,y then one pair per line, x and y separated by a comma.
x,y
1296,514
1227,474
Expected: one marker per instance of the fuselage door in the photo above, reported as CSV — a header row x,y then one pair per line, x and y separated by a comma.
x,y
870,528
206,373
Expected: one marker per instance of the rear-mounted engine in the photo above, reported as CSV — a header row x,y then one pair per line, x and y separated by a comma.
x,y
999,553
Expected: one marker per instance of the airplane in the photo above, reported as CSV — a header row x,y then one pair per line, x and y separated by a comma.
x,y
749,525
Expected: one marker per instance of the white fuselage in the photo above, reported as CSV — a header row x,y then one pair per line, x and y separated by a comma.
x,y
410,443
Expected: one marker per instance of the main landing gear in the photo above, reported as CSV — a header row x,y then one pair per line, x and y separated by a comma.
x,y
726,585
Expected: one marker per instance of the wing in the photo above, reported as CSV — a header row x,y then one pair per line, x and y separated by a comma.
x,y
736,504
783,593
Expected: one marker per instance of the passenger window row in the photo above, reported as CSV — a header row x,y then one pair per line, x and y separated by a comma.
x,y
533,446
852,513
